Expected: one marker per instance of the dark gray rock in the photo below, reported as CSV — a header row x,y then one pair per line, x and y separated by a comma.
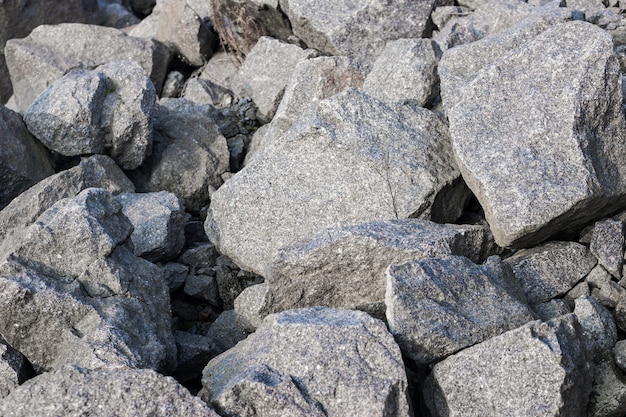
x,y
23,161
620,354
200,258
189,155
598,327
107,111
194,352
73,391
537,369
266,70
158,221
14,369
539,180
312,361
552,309
203,287
72,293
603,289
231,281
551,270
345,268
607,244
175,275
357,30
49,52
405,71
352,160
225,332
608,397
438,306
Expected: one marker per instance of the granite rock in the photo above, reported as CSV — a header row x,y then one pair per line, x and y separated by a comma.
x,y
608,240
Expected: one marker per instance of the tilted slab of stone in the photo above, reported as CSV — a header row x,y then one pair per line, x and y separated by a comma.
x,y
608,240
73,391
358,30
72,293
311,362
345,268
49,52
438,306
539,133
539,369
189,154
352,160
23,161
550,270
14,368
108,111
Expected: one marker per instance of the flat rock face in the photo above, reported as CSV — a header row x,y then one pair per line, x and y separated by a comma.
x,y
345,268
23,161
556,164
49,52
358,368
106,111
352,160
438,306
548,271
74,391
538,369
358,30
72,293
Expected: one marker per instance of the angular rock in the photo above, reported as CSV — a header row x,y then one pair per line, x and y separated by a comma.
x,y
552,309
203,91
603,289
158,221
266,70
202,287
565,167
405,71
537,369
187,34
200,258
98,171
580,290
358,368
225,332
108,110
194,352
23,161
550,270
345,268
75,391
620,313
221,70
72,293
608,397
352,160
231,281
249,307
438,306
173,84
14,369
607,244
357,30
175,275
189,154
49,52
598,328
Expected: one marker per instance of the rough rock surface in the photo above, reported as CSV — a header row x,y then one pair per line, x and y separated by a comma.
x,y
550,270
405,71
49,52
565,167
358,30
23,161
358,368
73,391
158,221
14,368
189,154
438,306
608,240
72,293
345,268
550,364
107,111
354,159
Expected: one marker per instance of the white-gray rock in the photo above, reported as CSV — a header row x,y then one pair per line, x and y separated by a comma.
x,y
14,368
607,244
352,160
315,361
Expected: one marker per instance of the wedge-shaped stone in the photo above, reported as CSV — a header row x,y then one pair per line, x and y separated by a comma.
x,y
352,160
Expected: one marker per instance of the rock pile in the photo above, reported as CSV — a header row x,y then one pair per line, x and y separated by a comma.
x,y
415,208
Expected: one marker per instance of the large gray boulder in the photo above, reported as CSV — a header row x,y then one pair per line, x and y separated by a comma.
x,y
73,391
539,369
189,156
405,71
73,293
107,111
49,52
352,160
438,306
565,166
310,362
345,267
23,161
358,30
550,270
